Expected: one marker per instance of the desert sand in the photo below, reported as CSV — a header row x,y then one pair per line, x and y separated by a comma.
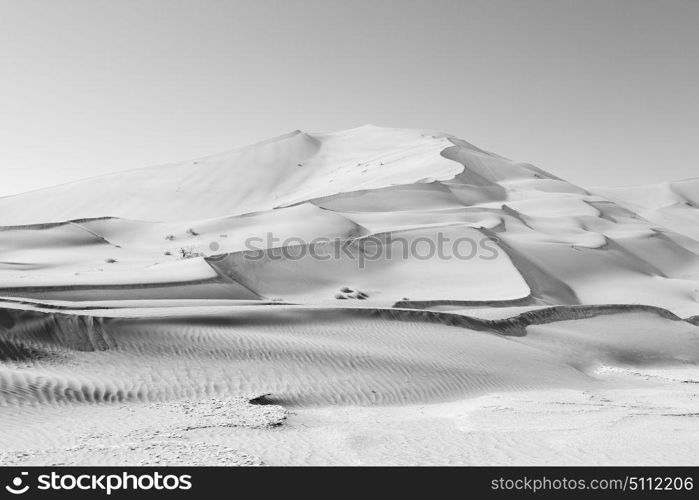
x,y
181,314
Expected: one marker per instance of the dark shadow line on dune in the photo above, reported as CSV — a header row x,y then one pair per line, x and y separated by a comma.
x,y
516,325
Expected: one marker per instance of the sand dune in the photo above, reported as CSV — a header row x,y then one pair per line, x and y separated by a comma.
x,y
370,267
673,205
554,241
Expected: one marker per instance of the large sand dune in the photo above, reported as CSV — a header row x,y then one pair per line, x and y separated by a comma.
x,y
321,270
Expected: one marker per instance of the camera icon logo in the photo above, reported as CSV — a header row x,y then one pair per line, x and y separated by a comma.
x,y
16,487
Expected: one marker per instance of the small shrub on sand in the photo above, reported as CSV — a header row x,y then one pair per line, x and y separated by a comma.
x,y
188,253
349,293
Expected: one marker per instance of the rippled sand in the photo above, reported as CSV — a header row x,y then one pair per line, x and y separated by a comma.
x,y
358,389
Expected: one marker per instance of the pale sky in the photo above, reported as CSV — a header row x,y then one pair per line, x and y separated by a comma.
x,y
597,92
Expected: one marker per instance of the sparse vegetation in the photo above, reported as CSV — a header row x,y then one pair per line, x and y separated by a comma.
x,y
170,237
350,293
188,253
192,232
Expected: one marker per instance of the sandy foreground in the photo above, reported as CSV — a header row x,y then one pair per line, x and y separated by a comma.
x,y
652,421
